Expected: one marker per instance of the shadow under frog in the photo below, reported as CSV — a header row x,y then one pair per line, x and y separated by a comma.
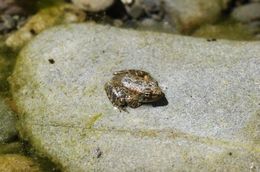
x,y
133,88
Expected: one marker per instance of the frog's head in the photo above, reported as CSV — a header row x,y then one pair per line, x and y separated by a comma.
x,y
151,93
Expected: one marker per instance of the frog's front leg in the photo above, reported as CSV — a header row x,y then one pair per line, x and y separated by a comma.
x,y
117,96
134,102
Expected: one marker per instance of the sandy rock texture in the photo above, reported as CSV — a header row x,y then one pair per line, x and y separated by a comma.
x,y
211,121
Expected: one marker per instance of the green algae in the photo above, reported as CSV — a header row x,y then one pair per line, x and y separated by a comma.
x,y
14,147
92,120
194,138
225,30
7,62
226,160
40,4
91,90
253,128
24,149
44,163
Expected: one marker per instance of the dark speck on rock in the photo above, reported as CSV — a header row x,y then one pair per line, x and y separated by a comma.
x,y
97,152
51,61
32,31
211,39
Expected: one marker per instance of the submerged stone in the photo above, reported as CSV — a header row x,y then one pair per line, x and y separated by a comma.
x,y
45,18
211,121
188,15
7,123
16,162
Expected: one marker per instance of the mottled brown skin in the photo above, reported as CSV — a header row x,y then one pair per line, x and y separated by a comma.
x,y
132,88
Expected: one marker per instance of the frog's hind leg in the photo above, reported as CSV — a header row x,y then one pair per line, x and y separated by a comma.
x,y
116,95
121,107
134,104
120,104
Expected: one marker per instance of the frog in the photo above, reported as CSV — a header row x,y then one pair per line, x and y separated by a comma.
x,y
132,88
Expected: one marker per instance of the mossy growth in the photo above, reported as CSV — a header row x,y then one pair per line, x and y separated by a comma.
x,y
92,120
47,3
7,62
227,29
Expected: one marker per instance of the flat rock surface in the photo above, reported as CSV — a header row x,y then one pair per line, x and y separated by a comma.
x,y
211,121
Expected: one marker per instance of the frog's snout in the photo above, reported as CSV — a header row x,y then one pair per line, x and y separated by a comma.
x,y
158,93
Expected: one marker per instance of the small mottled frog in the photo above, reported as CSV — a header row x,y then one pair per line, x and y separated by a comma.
x,y
132,88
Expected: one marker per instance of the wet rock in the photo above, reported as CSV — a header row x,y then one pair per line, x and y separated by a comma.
x,y
8,21
11,148
12,16
46,18
232,31
134,10
93,5
7,123
190,14
211,121
247,13
10,7
151,8
15,162
152,25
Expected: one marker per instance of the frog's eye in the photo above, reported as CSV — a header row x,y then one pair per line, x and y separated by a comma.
x,y
147,94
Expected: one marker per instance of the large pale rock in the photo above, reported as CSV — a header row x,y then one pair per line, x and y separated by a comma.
x,y
211,121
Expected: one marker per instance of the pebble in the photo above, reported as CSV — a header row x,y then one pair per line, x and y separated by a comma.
x,y
93,5
45,18
247,13
151,8
12,16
